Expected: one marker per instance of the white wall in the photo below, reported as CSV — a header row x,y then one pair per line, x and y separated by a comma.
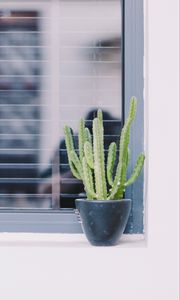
x,y
28,273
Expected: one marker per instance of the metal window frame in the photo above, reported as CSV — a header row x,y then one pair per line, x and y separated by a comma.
x,y
66,220
134,86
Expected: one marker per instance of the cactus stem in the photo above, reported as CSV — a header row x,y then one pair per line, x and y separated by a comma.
x,y
90,164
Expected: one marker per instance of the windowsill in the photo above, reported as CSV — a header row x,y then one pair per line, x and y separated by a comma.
x,y
64,240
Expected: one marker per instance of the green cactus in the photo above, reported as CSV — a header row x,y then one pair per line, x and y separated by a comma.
x,y
99,180
111,162
88,152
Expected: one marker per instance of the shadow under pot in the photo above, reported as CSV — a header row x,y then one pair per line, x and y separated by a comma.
x,y
103,221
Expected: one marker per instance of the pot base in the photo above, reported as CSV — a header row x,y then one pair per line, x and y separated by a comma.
x,y
103,244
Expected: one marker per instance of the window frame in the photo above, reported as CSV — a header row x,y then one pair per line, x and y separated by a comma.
x,y
66,220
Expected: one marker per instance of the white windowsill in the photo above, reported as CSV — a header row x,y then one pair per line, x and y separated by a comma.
x,y
64,240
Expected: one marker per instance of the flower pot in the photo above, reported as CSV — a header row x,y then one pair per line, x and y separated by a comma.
x,y
103,221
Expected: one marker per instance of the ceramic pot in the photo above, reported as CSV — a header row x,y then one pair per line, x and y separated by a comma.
x,y
103,221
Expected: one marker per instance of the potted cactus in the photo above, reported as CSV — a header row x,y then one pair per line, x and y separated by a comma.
x,y
104,213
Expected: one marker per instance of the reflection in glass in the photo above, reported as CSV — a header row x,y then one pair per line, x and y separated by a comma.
x,y
34,170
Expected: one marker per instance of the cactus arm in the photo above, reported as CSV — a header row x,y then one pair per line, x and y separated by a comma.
x,y
99,167
116,191
88,136
100,115
128,157
68,139
70,147
81,139
74,171
76,161
121,189
110,162
124,143
137,170
88,180
125,134
88,152
121,170
132,110
116,183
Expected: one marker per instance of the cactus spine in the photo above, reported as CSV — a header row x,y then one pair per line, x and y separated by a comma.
x,y
89,166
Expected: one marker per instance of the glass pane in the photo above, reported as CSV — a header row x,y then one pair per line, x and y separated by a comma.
x,y
58,62
23,122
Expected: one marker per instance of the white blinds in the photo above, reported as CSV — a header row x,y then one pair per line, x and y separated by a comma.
x,y
59,61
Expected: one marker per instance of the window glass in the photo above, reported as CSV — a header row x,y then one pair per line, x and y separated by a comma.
x,y
58,62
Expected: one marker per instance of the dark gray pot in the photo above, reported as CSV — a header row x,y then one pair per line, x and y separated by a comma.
x,y
103,221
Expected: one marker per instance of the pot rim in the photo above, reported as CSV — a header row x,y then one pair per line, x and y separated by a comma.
x,y
103,201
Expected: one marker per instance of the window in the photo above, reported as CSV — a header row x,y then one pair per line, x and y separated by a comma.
x,y
61,60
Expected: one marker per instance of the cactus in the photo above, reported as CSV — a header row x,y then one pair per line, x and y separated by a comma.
x,y
98,179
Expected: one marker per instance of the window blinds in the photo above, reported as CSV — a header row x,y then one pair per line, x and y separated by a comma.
x,y
59,61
